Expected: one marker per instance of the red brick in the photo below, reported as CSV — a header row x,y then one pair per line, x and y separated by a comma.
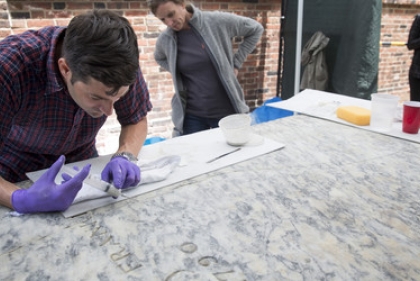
x,y
4,24
117,6
79,5
59,14
4,33
38,14
19,24
39,23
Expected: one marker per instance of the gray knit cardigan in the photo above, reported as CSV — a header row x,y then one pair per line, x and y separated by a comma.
x,y
217,29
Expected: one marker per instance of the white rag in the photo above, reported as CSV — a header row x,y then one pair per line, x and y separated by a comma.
x,y
154,171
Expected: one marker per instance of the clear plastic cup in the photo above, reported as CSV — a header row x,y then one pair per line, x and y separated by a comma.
x,y
383,109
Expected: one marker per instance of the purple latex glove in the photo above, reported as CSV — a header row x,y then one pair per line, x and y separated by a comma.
x,y
121,172
47,196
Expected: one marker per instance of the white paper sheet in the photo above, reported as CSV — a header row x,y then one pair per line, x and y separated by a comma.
x,y
195,150
323,105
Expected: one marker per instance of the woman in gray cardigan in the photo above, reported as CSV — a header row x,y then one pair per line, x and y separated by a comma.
x,y
196,48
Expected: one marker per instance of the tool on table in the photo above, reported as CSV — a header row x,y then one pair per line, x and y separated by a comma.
x,y
96,182
103,185
223,155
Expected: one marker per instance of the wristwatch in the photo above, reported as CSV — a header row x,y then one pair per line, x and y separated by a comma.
x,y
127,155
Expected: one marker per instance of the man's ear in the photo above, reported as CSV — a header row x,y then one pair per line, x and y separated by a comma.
x,y
64,68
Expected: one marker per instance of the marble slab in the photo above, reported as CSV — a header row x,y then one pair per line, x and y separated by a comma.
x,y
336,203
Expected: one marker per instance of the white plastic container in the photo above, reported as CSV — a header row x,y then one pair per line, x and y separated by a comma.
x,y
236,128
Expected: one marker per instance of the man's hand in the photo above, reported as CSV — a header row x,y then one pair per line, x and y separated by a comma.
x,y
47,196
121,172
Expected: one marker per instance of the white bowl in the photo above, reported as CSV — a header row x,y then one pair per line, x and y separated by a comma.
x,y
236,128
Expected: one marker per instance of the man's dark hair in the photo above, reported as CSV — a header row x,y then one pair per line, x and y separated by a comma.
x,y
101,45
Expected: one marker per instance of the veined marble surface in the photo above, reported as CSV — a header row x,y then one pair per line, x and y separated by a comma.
x,y
337,203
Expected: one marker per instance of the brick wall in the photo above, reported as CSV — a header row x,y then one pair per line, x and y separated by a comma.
x,y
258,76
395,60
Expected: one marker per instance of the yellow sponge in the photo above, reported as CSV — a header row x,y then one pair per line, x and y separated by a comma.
x,y
354,114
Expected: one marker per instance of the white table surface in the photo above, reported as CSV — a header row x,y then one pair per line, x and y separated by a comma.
x,y
194,150
324,104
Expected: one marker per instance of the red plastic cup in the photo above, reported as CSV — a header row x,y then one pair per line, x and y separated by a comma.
x,y
411,117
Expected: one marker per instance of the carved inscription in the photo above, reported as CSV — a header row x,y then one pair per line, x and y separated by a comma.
x,y
128,261
205,261
122,258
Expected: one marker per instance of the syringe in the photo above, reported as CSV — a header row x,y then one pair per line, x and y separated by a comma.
x,y
95,182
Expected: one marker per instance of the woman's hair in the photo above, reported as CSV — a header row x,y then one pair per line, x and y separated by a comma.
x,y
102,45
154,4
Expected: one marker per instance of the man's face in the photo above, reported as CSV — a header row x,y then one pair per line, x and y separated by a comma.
x,y
92,96
173,15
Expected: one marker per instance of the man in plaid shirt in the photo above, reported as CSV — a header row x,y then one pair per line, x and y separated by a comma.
x,y
58,85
